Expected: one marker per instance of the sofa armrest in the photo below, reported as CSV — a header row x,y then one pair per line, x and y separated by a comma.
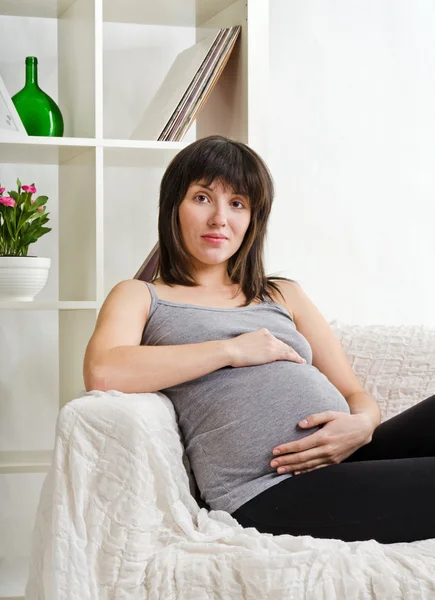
x,y
116,484
125,414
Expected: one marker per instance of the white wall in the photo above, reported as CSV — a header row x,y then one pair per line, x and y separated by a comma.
x,y
352,151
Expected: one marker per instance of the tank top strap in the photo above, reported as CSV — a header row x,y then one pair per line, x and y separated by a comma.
x,y
154,298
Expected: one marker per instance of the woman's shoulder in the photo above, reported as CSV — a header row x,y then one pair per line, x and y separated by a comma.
x,y
131,292
289,291
131,285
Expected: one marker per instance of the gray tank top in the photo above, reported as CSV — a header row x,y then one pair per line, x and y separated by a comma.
x,y
231,419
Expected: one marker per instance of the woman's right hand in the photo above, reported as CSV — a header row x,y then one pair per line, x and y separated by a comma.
x,y
259,347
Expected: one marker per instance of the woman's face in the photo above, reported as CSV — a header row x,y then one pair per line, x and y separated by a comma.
x,y
215,211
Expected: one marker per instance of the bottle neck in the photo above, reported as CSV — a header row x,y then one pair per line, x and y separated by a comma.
x,y
32,74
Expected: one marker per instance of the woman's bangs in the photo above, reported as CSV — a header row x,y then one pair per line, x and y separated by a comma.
x,y
231,169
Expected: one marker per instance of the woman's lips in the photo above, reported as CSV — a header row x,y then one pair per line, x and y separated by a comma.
x,y
214,240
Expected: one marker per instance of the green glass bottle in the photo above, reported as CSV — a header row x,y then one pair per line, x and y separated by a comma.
x,y
39,113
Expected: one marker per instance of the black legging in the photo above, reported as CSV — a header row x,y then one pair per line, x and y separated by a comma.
x,y
384,491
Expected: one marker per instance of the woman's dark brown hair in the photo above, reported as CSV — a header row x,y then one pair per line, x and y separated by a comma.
x,y
238,167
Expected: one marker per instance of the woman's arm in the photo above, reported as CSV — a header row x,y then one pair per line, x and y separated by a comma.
x,y
135,369
115,360
363,403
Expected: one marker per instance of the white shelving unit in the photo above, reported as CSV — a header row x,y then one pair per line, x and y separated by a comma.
x,y
102,61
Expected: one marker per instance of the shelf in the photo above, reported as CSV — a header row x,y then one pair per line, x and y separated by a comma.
x,y
48,9
91,142
54,150
40,140
25,462
63,305
144,144
181,13
43,151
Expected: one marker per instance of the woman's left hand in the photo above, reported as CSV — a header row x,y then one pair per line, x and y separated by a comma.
x,y
341,435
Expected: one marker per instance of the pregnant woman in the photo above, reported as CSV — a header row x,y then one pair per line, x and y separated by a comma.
x,y
277,427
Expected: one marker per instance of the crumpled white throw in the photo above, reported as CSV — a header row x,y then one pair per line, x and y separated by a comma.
x,y
116,520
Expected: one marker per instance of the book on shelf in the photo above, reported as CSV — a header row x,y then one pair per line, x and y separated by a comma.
x,y
180,98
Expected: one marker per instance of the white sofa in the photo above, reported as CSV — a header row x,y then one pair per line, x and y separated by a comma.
x,y
117,518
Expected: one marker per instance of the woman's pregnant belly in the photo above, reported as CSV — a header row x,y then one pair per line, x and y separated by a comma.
x,y
232,419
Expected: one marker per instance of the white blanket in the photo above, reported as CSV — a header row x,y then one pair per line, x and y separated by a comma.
x,y
117,520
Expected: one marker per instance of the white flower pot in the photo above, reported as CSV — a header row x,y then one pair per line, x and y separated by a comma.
x,y
22,277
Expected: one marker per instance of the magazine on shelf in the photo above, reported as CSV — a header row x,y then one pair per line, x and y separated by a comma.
x,y
202,93
181,107
190,78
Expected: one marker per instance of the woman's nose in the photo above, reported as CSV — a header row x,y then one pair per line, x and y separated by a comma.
x,y
218,218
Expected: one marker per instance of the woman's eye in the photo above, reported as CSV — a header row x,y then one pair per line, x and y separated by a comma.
x,y
202,196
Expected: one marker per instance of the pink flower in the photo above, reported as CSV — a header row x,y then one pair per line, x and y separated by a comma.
x,y
29,188
7,201
2,190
